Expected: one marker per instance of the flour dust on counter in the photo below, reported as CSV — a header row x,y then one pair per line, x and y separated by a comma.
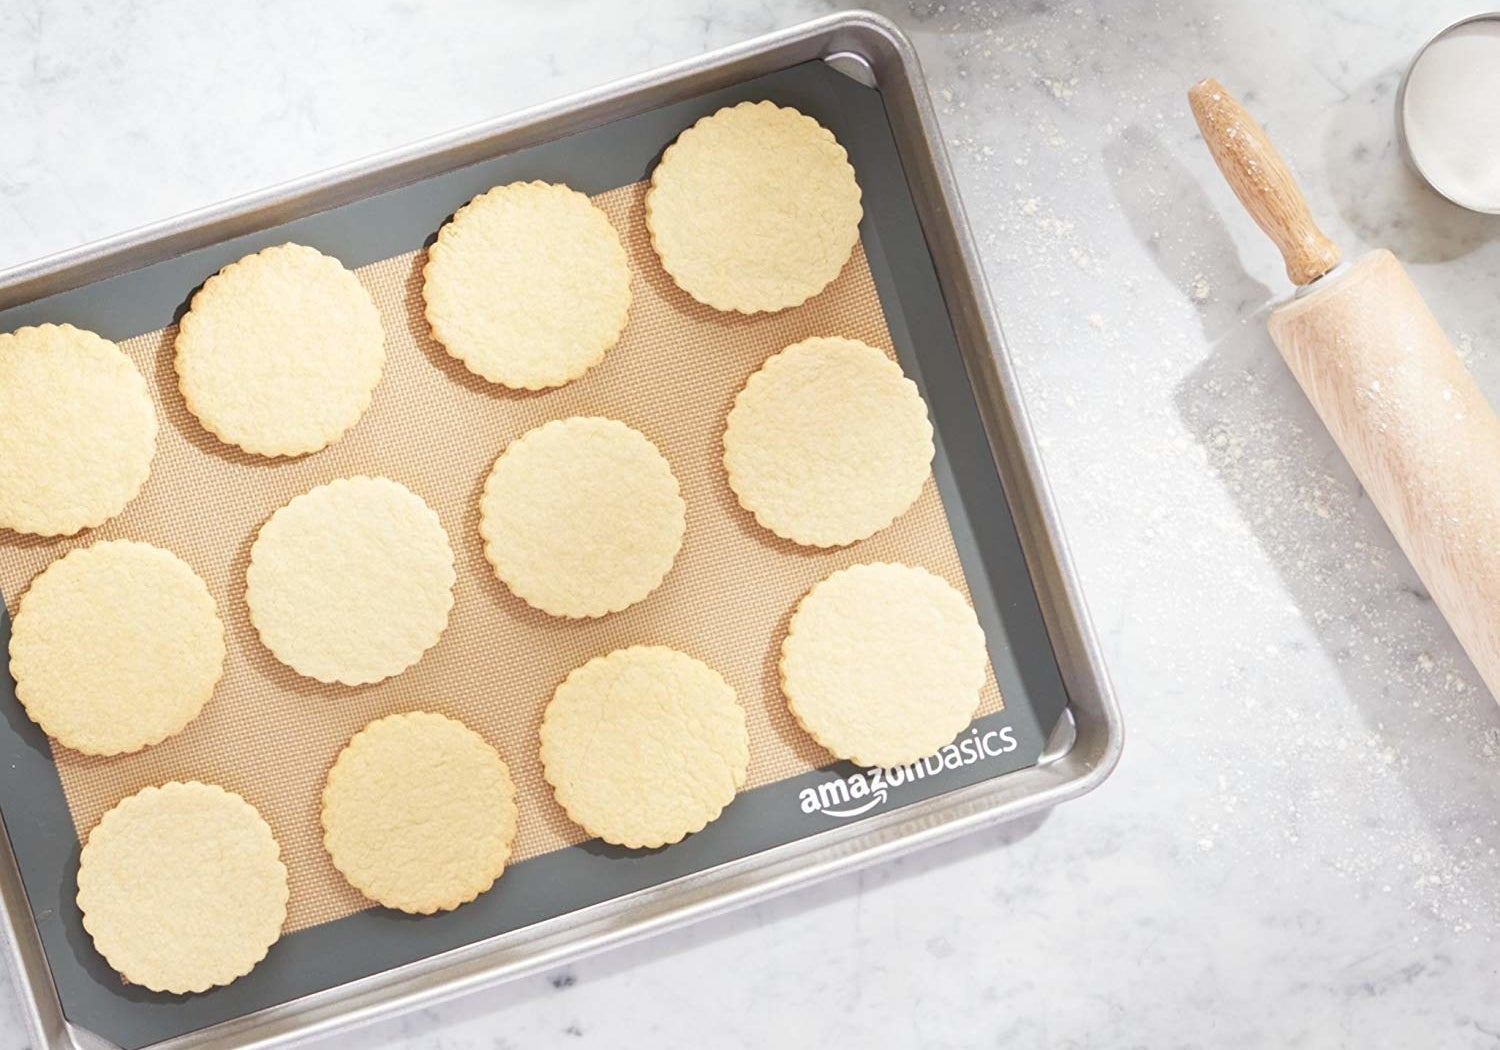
x,y
1348,734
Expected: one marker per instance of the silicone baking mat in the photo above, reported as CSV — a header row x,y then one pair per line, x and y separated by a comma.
x,y
271,734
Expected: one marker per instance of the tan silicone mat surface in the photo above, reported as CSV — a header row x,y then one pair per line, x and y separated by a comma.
x,y
271,735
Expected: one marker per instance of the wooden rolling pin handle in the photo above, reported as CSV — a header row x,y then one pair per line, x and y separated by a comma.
x,y
1262,181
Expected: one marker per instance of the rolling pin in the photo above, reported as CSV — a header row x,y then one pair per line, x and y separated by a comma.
x,y
1386,382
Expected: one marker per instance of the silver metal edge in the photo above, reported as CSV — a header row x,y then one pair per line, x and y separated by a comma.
x,y
1080,769
1401,140
27,963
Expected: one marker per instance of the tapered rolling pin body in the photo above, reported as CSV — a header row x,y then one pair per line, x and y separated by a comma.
x,y
1388,385
1416,429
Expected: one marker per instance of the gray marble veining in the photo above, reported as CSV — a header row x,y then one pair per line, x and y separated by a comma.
x,y
1299,848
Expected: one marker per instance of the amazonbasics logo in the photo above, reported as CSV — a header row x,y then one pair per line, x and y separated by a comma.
x,y
863,791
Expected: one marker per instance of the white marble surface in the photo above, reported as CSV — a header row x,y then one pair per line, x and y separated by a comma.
x,y
1299,848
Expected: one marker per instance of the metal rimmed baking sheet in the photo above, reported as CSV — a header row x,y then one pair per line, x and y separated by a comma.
x,y
942,328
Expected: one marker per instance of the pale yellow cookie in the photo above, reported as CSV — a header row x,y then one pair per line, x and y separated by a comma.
x,y
280,352
77,430
644,746
528,285
883,664
182,887
419,813
581,517
754,208
115,647
351,582
828,443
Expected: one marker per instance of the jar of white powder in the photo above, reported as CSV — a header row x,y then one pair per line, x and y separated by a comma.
x,y
1448,113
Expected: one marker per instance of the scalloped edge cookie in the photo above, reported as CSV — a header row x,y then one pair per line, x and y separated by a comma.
x,y
116,647
77,430
280,352
528,285
152,928
443,836
582,517
883,663
828,442
754,209
325,593
613,746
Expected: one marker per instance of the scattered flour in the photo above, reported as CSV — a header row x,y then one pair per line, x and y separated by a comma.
x,y
1335,730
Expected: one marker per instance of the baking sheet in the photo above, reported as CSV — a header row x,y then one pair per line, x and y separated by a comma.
x,y
246,735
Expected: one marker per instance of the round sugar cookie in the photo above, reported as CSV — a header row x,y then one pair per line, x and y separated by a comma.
x,y
115,647
883,664
77,430
528,285
581,517
754,208
182,887
828,443
419,813
644,746
280,352
352,581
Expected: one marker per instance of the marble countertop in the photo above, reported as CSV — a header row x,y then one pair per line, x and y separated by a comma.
x,y
1299,847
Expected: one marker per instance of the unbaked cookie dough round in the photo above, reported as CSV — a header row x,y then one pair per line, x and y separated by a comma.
x,y
419,813
352,581
528,285
280,352
77,430
582,517
644,746
883,664
828,443
115,647
182,887
754,208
